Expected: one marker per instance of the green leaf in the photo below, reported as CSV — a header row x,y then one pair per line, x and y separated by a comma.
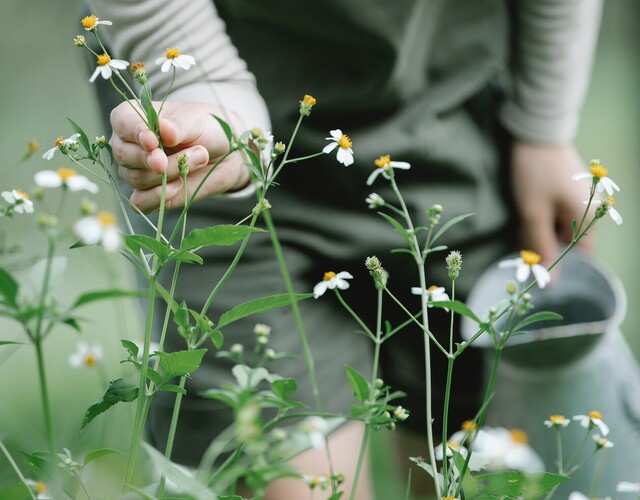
x,y
217,338
221,235
225,397
89,297
248,377
254,159
185,256
397,226
150,111
174,388
41,466
336,496
181,316
179,363
359,384
136,241
448,225
262,304
518,484
284,387
84,140
90,457
225,128
457,307
8,288
120,390
10,342
131,347
536,317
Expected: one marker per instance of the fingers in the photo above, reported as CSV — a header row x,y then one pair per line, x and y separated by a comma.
x,y
227,176
145,178
538,233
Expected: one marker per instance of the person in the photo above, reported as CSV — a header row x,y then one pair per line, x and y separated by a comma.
x,y
481,97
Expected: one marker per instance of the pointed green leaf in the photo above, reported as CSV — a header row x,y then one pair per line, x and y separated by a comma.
x,y
248,377
90,457
397,226
217,338
225,128
150,111
284,387
88,297
225,397
179,363
537,317
448,225
131,347
181,316
37,462
185,256
9,342
262,304
120,390
221,235
8,288
255,160
359,384
174,388
136,241
83,139
457,307
518,484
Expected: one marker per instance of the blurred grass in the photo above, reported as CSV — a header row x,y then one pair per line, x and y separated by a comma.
x,y
43,81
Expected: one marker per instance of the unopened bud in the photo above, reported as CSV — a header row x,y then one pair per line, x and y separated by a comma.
x,y
306,104
279,148
454,264
511,287
79,41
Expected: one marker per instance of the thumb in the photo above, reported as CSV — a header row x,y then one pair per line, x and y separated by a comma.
x,y
539,234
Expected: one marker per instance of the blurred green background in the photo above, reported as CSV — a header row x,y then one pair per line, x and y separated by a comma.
x,y
43,81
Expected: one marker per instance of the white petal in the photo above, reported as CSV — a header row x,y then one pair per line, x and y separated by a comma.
x,y
166,65
335,134
344,275
342,284
615,215
27,206
161,60
8,197
190,60
88,230
345,157
604,428
416,290
522,273
541,275
628,487
106,72
319,289
119,64
582,175
510,263
49,153
330,147
94,75
106,23
608,185
402,165
111,239
373,176
81,183
47,179
317,440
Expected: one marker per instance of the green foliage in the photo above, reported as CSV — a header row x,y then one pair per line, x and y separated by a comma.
x,y
516,484
359,384
120,390
448,225
8,289
179,363
260,305
221,235
83,139
225,128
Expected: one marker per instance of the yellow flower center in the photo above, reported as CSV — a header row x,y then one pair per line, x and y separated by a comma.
x,y
329,275
557,419
89,22
65,173
598,170
383,161
22,194
453,444
610,201
595,414
530,258
172,53
309,100
40,487
90,360
449,498
137,66
103,59
106,219
344,142
33,146
432,288
59,142
519,436
469,425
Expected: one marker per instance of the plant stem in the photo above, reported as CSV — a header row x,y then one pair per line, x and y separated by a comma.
x,y
361,455
16,469
447,396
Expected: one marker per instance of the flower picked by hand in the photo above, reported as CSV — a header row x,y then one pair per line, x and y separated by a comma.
x,y
598,174
527,263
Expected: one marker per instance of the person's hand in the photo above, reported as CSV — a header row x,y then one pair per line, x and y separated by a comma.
x,y
185,128
546,197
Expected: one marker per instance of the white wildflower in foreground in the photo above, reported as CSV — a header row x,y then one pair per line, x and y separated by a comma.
x,y
62,145
507,449
602,442
607,205
19,201
91,22
315,428
99,229
106,65
39,489
385,166
557,421
343,143
593,420
628,487
174,58
527,263
86,356
330,281
432,294
66,177
598,174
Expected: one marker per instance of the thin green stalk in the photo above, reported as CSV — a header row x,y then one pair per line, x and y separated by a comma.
x,y
16,469
447,396
578,448
302,158
559,448
295,308
283,162
82,485
354,315
361,455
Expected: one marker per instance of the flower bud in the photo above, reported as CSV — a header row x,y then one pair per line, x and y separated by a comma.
x,y
79,41
279,148
454,264
306,104
511,287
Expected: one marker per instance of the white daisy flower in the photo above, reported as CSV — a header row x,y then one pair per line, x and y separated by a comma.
x,y
401,414
557,421
593,420
86,356
598,173
527,263
375,200
607,205
315,427
576,495
432,294
175,59
602,442
343,143
91,22
61,144
332,280
39,488
19,201
66,177
384,166
99,229
628,487
106,65
507,449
